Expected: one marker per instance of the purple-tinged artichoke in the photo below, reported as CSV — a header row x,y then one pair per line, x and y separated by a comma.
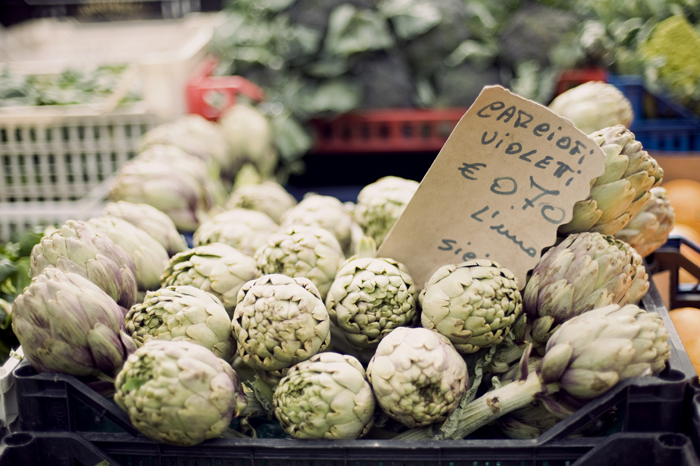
x,y
78,247
584,272
67,324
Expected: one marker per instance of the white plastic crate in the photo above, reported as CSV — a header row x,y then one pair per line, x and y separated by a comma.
x,y
8,395
166,52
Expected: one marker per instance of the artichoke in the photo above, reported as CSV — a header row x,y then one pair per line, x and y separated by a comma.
x,y
622,190
78,247
269,198
380,204
152,221
245,230
250,137
208,176
417,376
182,313
178,392
280,321
301,251
649,229
215,268
65,323
370,297
594,105
198,137
326,397
147,254
474,304
587,356
583,272
322,211
168,188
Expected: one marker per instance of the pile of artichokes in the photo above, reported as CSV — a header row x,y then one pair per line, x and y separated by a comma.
x,y
282,310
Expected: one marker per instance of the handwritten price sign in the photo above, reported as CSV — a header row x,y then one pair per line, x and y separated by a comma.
x,y
506,178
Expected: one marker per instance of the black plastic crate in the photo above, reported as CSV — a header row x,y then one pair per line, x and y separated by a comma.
x,y
669,258
61,404
50,449
624,449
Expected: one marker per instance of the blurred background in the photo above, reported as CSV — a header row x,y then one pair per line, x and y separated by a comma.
x,y
352,90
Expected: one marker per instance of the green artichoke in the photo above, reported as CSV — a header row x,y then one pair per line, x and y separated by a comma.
x,y
622,190
322,211
417,376
326,397
280,321
269,198
250,137
245,230
301,251
594,105
583,272
67,324
370,297
197,136
215,268
587,356
474,304
380,204
152,221
168,188
147,254
179,393
649,229
78,247
182,313
208,176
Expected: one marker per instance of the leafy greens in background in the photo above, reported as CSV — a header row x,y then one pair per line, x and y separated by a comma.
x,y
321,58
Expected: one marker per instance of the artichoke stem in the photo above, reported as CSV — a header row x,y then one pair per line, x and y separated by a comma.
x,y
488,408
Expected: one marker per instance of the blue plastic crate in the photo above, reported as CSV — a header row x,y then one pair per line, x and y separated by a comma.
x,y
673,128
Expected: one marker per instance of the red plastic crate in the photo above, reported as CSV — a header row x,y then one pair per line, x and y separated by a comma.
x,y
209,95
386,130
572,78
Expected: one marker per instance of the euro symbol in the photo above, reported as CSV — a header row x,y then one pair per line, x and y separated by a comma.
x,y
469,169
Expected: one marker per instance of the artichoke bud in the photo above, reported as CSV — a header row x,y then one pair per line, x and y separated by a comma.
x,y
77,247
431,374
182,313
216,268
621,190
370,297
367,248
178,392
474,304
302,251
280,321
67,324
327,396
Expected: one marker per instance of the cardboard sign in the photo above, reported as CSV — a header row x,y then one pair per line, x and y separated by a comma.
x,y
506,178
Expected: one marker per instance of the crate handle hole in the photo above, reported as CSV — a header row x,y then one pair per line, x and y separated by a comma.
x,y
674,375
17,440
673,440
25,370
